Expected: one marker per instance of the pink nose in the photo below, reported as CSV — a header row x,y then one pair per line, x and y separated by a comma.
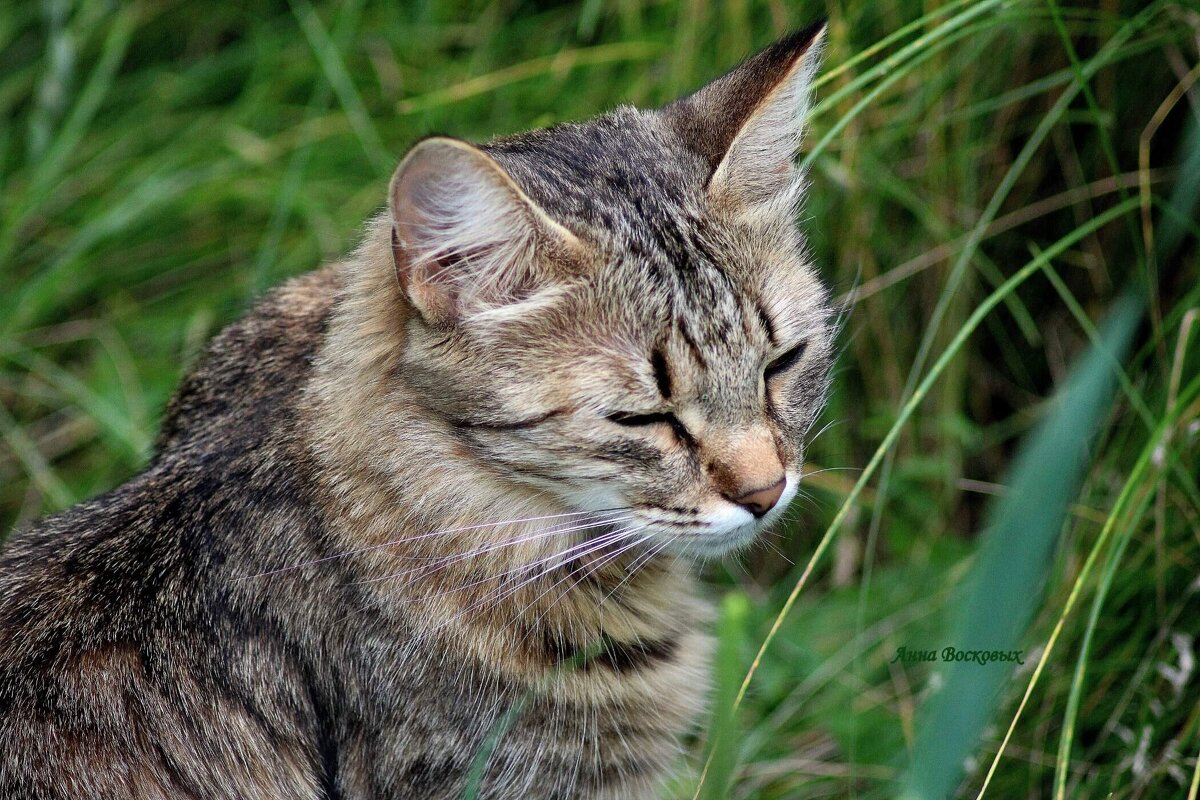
x,y
760,501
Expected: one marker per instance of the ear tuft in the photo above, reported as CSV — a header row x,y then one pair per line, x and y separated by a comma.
x,y
748,124
465,237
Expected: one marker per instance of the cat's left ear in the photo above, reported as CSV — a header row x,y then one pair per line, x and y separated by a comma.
x,y
465,238
748,124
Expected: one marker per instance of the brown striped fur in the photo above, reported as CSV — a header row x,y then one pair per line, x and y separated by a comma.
x,y
340,576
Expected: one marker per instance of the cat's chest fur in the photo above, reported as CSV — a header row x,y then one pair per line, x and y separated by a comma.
x,y
601,733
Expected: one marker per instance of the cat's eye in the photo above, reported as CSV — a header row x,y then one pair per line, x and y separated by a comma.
x,y
639,420
635,420
786,361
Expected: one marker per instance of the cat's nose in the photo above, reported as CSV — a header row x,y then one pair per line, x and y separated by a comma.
x,y
760,501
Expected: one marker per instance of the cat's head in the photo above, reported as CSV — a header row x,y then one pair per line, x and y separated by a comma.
x,y
621,312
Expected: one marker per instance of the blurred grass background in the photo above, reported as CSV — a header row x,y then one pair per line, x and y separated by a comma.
x,y
163,163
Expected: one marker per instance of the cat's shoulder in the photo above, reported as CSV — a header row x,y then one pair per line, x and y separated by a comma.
x,y
257,364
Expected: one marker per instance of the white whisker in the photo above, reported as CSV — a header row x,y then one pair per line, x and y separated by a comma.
x,y
542,534
587,570
519,569
635,566
590,546
617,536
418,537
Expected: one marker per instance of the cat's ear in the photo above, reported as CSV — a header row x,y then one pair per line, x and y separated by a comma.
x,y
748,124
465,238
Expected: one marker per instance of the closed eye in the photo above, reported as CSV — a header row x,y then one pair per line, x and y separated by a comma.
x,y
635,420
786,361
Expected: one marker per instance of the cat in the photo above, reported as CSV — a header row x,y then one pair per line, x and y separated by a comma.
x,y
414,525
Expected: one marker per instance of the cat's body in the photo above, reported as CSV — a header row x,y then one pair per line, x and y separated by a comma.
x,y
376,554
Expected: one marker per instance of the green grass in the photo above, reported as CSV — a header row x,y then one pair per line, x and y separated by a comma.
x,y
988,178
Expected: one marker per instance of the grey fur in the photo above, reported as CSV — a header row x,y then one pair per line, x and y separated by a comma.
x,y
321,586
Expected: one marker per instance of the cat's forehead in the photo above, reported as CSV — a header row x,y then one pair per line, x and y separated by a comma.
x,y
626,182
614,175
686,319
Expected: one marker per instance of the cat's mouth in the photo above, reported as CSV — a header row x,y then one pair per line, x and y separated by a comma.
x,y
714,531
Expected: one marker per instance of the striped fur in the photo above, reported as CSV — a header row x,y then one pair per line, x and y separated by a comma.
x,y
425,507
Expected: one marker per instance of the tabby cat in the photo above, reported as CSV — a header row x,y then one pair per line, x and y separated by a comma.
x,y
413,527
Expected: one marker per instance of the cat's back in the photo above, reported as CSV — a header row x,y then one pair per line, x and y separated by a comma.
x,y
253,370
105,605
231,419
227,440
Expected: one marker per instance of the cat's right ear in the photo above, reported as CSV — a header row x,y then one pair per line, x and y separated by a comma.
x,y
465,237
748,124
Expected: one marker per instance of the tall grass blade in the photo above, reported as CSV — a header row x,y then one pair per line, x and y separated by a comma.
x,y
1182,204
1183,199
725,739
1006,582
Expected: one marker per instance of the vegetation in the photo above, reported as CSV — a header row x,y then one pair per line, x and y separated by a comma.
x,y
988,178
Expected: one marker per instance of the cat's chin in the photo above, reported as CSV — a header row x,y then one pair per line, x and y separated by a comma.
x,y
713,546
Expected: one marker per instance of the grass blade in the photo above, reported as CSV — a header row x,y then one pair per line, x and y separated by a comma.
x,y
1006,582
723,746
